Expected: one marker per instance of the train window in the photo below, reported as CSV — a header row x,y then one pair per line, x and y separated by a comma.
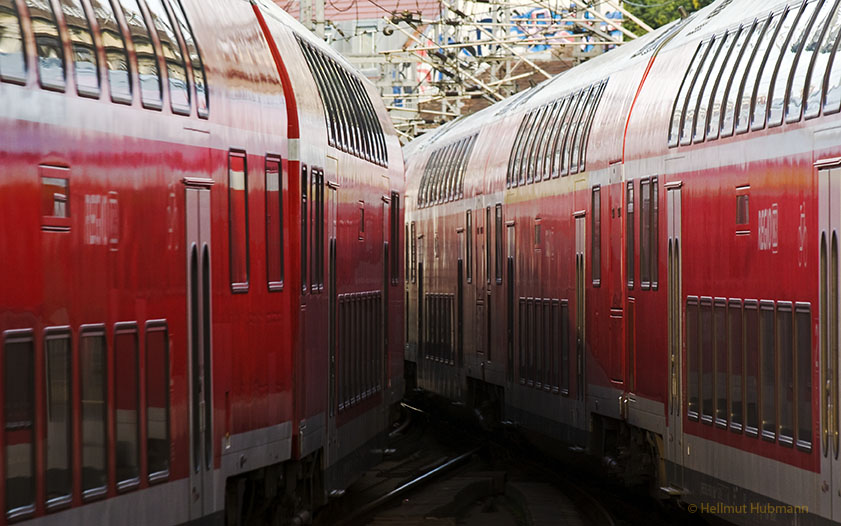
x,y
767,370
751,326
144,49
565,345
832,102
705,101
521,348
85,62
59,443
199,77
693,358
360,234
518,176
346,100
654,246
645,234
575,149
179,89
748,94
93,383
571,134
596,226
788,60
707,360
157,400
274,223
463,168
545,140
812,36
469,262
561,157
55,194
803,367
588,125
720,337
116,58
823,61
737,83
735,337
406,260
786,388
48,45
304,192
319,229
394,238
238,220
629,234
769,68
498,246
692,102
510,179
528,150
127,398
415,253
12,56
682,98
723,85
19,375
488,243
557,137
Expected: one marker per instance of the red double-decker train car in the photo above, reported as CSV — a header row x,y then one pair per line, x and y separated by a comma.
x,y
640,257
200,304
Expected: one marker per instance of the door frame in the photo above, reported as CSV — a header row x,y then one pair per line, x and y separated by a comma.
x,y
674,272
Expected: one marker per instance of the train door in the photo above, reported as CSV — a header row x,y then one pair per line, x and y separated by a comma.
x,y
580,290
675,318
830,231
510,298
614,282
460,300
332,317
481,286
200,349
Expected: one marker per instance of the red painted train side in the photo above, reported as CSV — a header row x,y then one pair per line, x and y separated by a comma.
x,y
651,274
180,272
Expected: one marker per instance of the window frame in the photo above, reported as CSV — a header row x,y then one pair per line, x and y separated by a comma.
x,y
52,334
153,326
21,336
238,287
498,228
95,331
595,236
24,51
131,329
275,285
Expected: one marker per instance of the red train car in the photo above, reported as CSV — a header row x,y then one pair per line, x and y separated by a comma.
x,y
639,257
201,290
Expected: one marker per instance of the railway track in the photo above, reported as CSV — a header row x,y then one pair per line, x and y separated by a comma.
x,y
443,471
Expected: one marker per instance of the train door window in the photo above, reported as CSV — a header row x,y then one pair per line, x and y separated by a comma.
x,y
722,49
803,368
238,220
488,231
415,253
721,363
179,89
360,231
785,355
116,58
719,97
394,237
824,60
157,400
629,235
645,234
406,257
788,61
767,370
147,61
751,327
49,48
596,226
19,374
469,247
12,56
92,379
832,102
707,361
693,358
690,113
655,233
127,402
498,244
679,108
748,98
734,93
59,443
199,77
811,37
770,67
85,62
304,193
735,337
274,223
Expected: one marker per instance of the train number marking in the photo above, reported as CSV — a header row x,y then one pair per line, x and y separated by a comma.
x,y
769,229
